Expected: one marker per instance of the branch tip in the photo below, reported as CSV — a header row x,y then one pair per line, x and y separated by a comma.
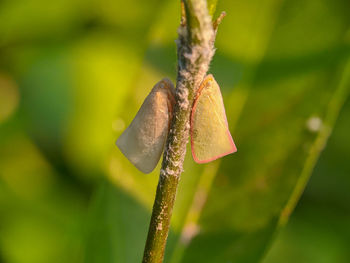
x,y
217,21
183,14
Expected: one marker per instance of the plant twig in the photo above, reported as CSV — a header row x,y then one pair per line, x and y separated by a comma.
x,y
195,48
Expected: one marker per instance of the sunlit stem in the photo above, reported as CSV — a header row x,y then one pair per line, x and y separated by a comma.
x,y
195,49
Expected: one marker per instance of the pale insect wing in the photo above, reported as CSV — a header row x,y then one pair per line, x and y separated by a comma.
x,y
143,141
210,135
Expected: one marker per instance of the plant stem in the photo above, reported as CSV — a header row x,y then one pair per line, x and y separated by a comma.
x,y
195,48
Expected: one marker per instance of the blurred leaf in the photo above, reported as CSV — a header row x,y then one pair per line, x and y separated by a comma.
x,y
317,232
103,70
40,214
45,85
132,15
322,216
116,224
23,20
23,169
212,6
9,97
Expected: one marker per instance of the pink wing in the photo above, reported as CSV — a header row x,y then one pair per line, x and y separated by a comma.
x,y
210,135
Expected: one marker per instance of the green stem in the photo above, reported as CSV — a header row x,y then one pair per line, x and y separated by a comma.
x,y
195,51
335,105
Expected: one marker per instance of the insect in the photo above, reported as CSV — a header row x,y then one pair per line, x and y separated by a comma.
x,y
143,141
210,135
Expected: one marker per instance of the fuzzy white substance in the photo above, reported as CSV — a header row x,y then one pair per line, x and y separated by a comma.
x,y
195,51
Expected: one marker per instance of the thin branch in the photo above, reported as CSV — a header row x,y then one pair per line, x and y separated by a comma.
x,y
195,48
336,103
217,21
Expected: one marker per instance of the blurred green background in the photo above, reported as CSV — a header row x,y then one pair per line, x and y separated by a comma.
x,y
72,76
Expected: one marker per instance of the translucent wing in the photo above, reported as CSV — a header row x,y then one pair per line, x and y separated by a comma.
x,y
210,136
143,141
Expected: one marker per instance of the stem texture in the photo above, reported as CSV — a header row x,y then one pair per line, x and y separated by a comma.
x,y
195,49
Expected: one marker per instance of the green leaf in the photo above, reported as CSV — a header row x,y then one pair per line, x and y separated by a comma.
x,y
40,212
115,227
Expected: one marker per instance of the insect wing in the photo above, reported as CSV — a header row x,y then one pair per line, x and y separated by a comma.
x,y
210,135
143,141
